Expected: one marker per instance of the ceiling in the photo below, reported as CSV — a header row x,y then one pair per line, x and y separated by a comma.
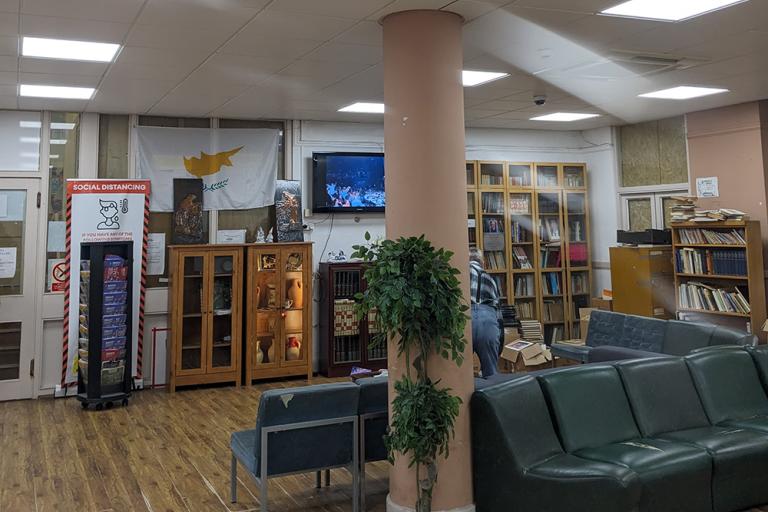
x,y
304,59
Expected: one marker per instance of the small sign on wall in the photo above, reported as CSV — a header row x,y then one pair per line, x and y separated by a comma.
x,y
707,187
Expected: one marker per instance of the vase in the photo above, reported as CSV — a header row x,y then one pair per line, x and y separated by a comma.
x,y
257,300
294,349
271,353
259,353
296,293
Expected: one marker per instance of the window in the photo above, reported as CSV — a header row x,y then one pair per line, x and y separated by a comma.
x,y
64,133
20,141
646,211
654,153
114,142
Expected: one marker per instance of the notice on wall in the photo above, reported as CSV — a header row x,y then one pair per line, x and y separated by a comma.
x,y
707,187
155,254
3,206
57,235
230,236
57,275
7,262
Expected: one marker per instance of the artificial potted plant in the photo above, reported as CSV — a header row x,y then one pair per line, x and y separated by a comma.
x,y
418,301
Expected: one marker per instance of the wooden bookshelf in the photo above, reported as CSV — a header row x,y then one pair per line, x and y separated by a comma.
x,y
720,266
534,195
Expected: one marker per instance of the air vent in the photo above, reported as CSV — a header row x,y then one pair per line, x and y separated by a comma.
x,y
655,63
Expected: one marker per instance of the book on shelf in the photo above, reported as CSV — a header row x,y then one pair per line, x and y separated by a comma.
x,y
555,333
524,310
732,262
553,311
524,285
551,284
519,233
493,241
579,283
518,180
491,179
684,209
709,236
493,225
574,179
696,295
521,258
494,260
549,230
576,228
492,202
470,204
547,179
549,203
472,235
520,204
577,254
550,255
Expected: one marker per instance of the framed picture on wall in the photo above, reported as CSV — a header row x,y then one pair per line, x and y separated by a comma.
x,y
187,211
290,224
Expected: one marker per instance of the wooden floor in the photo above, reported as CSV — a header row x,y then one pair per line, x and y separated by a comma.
x,y
161,453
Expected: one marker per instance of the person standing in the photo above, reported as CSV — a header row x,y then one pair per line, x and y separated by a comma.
x,y
485,303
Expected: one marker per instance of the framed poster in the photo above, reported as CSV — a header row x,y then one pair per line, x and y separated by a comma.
x,y
188,212
290,224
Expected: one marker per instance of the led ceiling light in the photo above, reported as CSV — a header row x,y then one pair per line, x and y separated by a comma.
x,y
683,92
566,117
666,10
56,91
473,78
68,50
364,108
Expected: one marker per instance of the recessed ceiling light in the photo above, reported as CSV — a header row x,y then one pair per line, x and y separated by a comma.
x,y
666,10
564,117
683,92
68,50
364,108
56,91
472,78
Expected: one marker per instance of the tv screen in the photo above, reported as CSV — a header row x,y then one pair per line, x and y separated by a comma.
x,y
348,182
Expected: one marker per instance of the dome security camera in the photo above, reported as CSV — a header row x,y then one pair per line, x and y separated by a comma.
x,y
539,99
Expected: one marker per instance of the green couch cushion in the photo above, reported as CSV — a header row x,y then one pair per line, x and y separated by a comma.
x,y
728,384
740,463
682,337
662,395
760,356
676,477
589,406
758,423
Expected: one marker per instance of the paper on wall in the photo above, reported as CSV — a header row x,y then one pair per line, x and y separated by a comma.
x,y
230,236
57,275
7,262
57,235
155,254
707,187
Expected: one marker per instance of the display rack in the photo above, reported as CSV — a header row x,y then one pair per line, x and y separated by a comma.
x,y
532,222
279,311
719,275
345,342
104,344
205,305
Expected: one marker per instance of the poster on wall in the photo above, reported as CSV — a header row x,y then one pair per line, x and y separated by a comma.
x,y
188,211
707,187
104,211
290,226
238,167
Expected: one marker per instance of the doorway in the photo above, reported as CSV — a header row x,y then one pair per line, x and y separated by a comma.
x,y
19,209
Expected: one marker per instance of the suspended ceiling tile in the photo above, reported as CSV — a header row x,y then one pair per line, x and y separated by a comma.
x,y
128,95
53,66
269,47
342,52
471,9
176,37
9,78
357,9
68,28
583,6
408,5
123,11
9,63
9,45
365,32
51,104
286,25
237,69
196,14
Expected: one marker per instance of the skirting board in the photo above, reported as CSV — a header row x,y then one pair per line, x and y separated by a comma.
x,y
393,507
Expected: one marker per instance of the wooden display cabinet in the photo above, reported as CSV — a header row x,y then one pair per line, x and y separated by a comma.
x,y
279,311
205,305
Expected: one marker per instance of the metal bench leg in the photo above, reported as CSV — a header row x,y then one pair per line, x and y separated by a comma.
x,y
263,499
233,480
327,477
356,466
319,480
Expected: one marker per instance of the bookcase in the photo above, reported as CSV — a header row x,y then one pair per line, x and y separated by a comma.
x,y
719,276
345,342
532,222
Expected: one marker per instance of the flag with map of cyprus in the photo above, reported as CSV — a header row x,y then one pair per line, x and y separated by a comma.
x,y
238,166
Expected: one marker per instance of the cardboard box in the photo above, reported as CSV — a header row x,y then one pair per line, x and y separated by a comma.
x,y
601,303
584,314
520,356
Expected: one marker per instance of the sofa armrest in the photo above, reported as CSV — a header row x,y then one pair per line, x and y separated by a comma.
x,y
578,353
608,353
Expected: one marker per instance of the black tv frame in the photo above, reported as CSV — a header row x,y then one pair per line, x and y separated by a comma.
x,y
326,209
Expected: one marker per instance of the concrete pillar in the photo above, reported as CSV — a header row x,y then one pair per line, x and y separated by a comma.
x,y
426,194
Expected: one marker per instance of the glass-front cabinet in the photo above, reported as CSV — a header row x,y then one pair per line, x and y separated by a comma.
x,y
206,313
279,311
578,255
551,265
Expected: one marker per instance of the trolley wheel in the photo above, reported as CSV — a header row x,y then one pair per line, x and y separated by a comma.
x,y
84,405
125,402
99,407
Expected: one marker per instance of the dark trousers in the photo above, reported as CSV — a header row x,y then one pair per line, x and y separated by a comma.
x,y
485,337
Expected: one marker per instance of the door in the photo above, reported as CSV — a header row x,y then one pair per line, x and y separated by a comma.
x,y
18,251
223,309
193,298
295,307
265,307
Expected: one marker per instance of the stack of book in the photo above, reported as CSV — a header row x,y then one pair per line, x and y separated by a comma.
x,y
709,236
684,210
718,215
530,330
708,298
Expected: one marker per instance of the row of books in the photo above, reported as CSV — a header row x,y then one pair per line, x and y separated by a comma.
x,y
546,180
685,210
576,228
520,204
519,180
577,254
708,298
550,256
549,230
524,286
521,258
579,283
471,204
472,234
495,260
554,333
550,283
732,262
549,203
491,179
524,310
553,311
709,236
492,202
574,180
520,233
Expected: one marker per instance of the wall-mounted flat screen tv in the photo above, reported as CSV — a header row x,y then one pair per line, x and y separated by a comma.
x,y
348,182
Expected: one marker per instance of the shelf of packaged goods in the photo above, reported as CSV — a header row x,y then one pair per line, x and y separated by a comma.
x,y
722,313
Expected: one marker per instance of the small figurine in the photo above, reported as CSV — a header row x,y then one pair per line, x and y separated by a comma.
x,y
260,238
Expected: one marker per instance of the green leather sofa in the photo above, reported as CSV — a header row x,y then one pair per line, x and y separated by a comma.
x,y
677,434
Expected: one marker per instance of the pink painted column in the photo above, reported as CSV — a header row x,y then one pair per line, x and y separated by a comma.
x,y
426,194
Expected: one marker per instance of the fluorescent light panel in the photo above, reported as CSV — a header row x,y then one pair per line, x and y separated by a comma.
x,y
683,92
68,50
566,117
474,78
56,91
668,10
364,108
